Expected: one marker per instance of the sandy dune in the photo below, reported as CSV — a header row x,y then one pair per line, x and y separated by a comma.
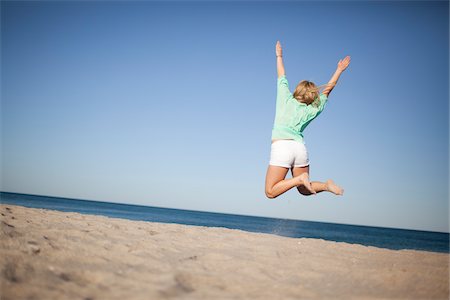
x,y
47,254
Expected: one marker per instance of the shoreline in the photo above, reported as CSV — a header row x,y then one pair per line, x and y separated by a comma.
x,y
399,238
54,254
210,212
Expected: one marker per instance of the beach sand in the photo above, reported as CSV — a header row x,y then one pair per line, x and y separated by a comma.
x,y
47,254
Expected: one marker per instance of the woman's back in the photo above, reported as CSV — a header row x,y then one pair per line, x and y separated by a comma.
x,y
293,116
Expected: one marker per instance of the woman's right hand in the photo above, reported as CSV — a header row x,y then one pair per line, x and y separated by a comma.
x,y
343,63
278,49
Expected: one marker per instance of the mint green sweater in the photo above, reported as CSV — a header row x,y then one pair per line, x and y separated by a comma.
x,y
292,116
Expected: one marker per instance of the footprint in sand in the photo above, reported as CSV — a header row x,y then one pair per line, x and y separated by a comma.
x,y
9,272
194,257
15,272
183,285
73,277
50,242
152,232
33,247
9,230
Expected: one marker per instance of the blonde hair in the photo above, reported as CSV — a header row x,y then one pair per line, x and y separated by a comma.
x,y
307,92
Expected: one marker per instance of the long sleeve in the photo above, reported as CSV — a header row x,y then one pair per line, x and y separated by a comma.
x,y
283,93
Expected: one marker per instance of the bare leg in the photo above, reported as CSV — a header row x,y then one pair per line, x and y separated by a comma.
x,y
277,185
334,188
328,186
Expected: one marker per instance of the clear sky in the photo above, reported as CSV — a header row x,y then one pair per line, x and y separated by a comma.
x,y
172,104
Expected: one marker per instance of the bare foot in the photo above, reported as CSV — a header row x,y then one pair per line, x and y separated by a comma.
x,y
304,179
333,188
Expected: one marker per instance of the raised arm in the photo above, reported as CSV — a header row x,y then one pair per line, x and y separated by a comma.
x,y
342,65
280,65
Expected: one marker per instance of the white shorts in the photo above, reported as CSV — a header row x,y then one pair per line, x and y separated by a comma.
x,y
288,153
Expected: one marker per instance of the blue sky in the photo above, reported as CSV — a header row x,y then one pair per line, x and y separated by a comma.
x,y
172,104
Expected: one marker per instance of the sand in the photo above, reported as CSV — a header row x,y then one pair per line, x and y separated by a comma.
x,y
46,254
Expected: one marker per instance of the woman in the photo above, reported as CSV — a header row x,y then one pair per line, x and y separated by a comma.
x,y
293,114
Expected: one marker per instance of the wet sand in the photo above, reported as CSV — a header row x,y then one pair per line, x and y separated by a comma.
x,y
47,254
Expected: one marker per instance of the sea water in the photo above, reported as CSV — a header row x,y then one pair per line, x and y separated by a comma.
x,y
365,235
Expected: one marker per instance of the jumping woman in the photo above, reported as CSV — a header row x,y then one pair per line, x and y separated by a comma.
x,y
293,114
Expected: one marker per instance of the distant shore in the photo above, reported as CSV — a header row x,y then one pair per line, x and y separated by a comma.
x,y
46,254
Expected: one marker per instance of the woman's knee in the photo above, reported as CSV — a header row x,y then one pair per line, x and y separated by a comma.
x,y
302,190
269,193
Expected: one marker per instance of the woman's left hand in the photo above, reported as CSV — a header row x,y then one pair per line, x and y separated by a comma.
x,y
278,49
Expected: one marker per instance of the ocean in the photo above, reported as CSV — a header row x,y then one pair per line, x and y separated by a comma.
x,y
389,238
